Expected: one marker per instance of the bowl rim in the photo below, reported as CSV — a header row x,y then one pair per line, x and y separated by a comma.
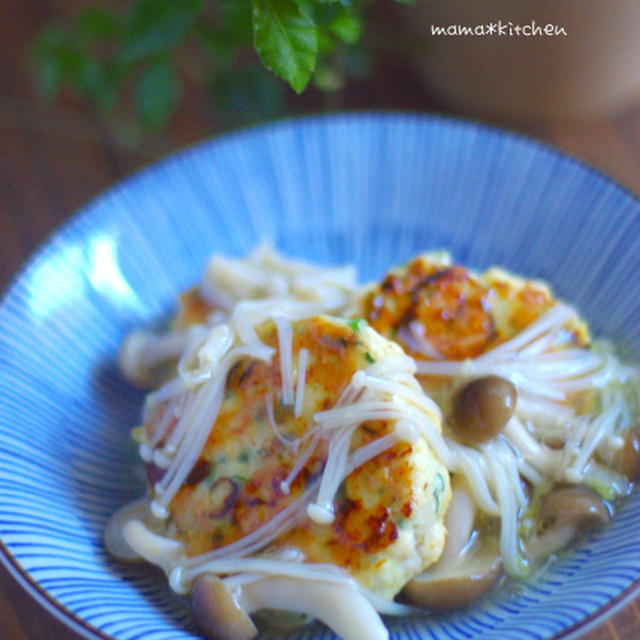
x,y
22,576
461,121
42,597
78,625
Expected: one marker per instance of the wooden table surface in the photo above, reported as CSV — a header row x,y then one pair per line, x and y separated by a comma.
x,y
55,157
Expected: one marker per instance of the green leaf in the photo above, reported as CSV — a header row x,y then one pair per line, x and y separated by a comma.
x,y
347,27
98,24
49,41
235,20
215,43
286,40
322,12
48,77
90,78
249,95
326,44
157,93
65,57
229,31
156,26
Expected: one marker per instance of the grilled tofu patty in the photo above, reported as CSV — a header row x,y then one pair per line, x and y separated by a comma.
x,y
438,310
388,513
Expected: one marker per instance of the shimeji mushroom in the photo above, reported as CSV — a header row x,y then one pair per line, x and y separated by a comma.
x,y
564,511
465,571
223,614
143,355
114,538
217,613
631,455
482,407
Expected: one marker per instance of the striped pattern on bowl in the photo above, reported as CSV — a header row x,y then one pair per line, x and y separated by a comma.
x,y
372,189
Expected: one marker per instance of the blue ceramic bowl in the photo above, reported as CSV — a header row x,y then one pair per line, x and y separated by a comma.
x,y
371,189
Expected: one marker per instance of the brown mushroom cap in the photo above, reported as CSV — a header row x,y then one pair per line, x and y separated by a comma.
x,y
464,573
457,585
576,503
216,612
564,511
631,455
482,407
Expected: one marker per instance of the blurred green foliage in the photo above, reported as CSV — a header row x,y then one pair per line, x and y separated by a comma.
x,y
136,61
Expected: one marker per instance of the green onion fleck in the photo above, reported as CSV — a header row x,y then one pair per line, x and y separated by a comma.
x,y
437,490
357,324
